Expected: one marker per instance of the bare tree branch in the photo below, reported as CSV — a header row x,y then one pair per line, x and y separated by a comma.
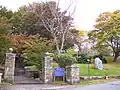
x,y
59,23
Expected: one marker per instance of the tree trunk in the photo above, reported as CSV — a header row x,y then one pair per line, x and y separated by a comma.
x,y
57,45
62,45
115,57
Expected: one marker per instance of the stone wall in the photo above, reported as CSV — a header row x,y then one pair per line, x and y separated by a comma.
x,y
9,67
0,77
72,74
47,72
98,77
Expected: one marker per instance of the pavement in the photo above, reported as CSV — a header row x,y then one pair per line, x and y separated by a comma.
x,y
26,80
107,86
24,83
33,87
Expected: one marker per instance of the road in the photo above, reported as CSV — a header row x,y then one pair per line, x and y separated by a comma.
x,y
106,86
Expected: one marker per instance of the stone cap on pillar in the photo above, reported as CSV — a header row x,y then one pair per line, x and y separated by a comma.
x,y
10,50
1,74
72,66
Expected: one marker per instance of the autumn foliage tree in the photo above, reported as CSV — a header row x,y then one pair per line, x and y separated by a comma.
x,y
5,29
107,31
55,21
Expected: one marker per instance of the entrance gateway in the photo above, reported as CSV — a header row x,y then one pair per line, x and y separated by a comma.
x,y
14,71
10,74
9,67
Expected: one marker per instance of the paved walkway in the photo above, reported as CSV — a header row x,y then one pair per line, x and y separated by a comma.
x,y
25,83
27,87
26,80
34,87
30,84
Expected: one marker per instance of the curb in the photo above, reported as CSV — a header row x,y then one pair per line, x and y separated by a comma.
x,y
57,87
98,77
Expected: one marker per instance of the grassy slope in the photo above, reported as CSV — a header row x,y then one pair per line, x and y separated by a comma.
x,y
109,69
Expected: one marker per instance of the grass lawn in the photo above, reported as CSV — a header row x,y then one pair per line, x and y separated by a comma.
x,y
6,84
111,68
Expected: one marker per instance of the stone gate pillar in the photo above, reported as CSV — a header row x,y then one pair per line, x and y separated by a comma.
x,y
9,67
72,74
47,72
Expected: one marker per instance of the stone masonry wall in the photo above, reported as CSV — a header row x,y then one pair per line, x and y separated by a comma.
x,y
72,74
47,72
9,67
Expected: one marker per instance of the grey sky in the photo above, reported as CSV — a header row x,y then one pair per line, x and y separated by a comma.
x,y
86,12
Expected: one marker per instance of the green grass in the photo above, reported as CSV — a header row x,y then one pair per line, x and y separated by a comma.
x,y
32,68
6,84
59,83
111,68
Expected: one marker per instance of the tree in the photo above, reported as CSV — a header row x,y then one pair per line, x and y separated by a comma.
x,y
28,23
30,48
33,54
17,21
107,31
55,21
5,29
4,12
81,39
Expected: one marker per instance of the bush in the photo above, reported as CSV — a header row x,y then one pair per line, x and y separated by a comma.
x,y
82,58
101,58
65,60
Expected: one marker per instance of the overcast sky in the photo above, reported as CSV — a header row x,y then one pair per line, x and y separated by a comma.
x,y
86,12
